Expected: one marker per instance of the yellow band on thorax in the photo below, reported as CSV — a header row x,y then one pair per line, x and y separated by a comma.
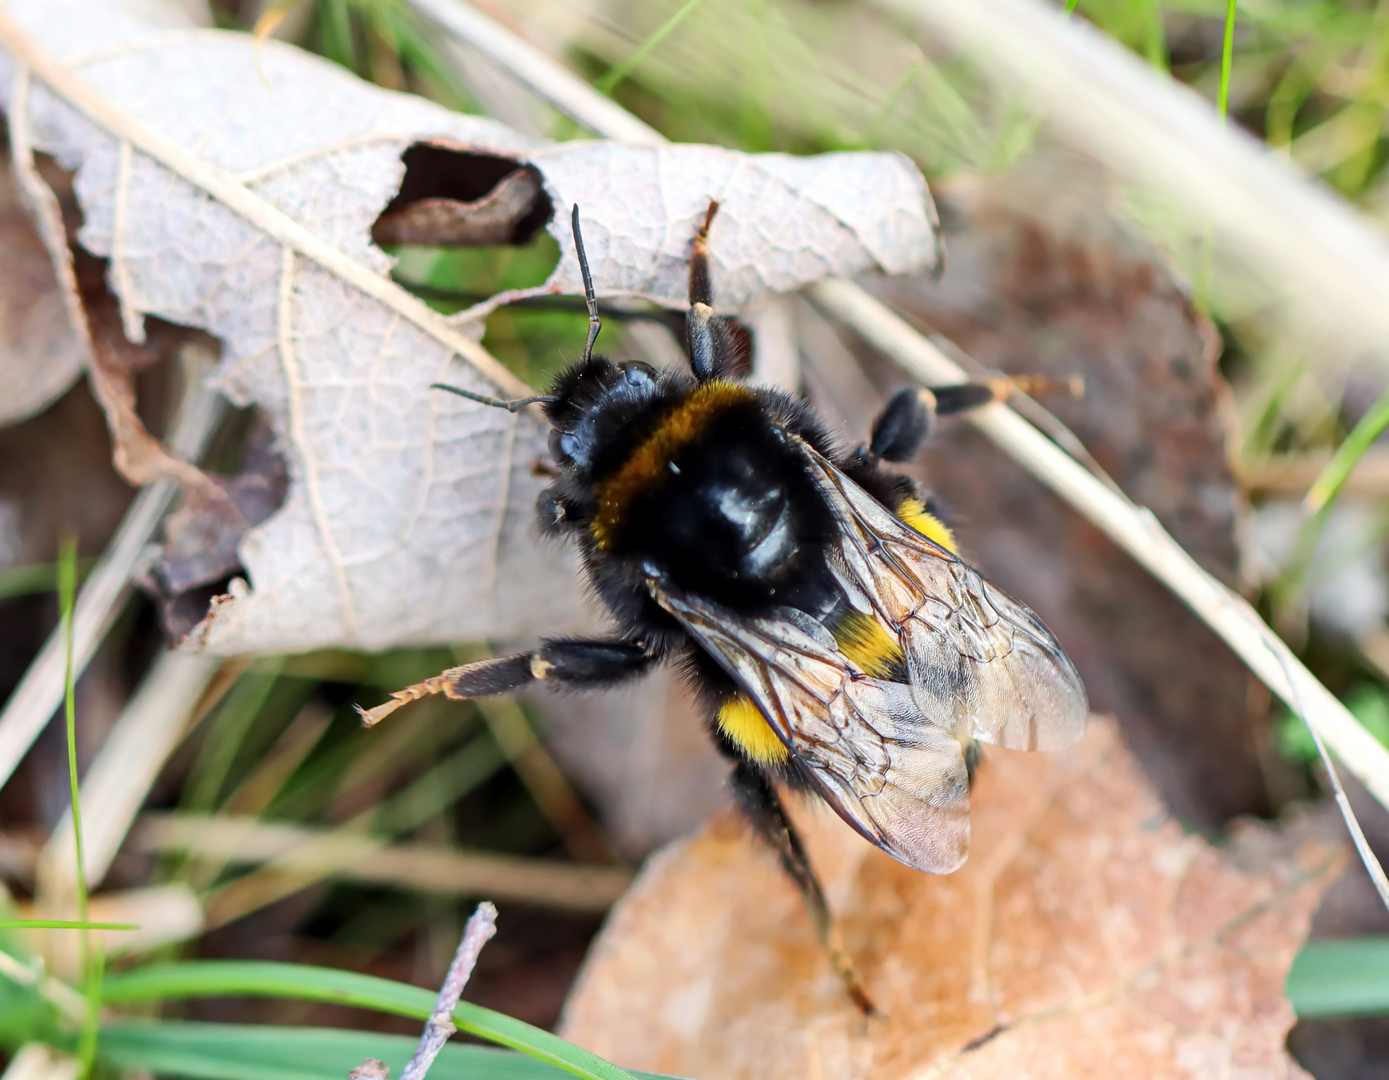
x,y
650,461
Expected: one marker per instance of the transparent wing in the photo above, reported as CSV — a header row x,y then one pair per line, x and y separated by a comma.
x,y
900,782
979,662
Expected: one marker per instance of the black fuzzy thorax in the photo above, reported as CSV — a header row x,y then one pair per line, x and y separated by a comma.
x,y
734,515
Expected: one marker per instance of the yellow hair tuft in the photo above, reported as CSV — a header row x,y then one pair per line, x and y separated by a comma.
x,y
914,513
868,644
744,723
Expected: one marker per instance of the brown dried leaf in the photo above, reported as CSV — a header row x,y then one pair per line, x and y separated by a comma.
x,y
116,361
1085,928
40,356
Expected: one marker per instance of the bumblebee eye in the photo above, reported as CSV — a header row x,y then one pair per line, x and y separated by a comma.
x,y
557,444
569,446
637,373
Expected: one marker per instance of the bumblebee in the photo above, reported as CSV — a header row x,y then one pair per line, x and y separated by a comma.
x,y
839,643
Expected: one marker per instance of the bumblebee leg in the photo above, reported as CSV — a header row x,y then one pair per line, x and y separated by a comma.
x,y
578,663
905,421
763,808
708,347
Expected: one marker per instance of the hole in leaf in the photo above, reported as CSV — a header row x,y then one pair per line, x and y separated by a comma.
x,y
456,198
199,556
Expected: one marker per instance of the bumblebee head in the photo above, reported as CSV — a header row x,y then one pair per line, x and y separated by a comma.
x,y
592,399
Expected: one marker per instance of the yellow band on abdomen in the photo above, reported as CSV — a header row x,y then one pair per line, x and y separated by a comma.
x,y
915,514
744,723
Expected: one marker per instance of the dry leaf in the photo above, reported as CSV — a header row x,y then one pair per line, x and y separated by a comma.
x,y
237,194
40,356
199,553
1086,935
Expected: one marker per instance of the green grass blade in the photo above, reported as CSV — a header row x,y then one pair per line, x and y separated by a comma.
x,y
90,1035
335,28
1333,478
67,600
92,959
1321,499
609,82
234,978
258,1052
63,924
1227,61
1344,978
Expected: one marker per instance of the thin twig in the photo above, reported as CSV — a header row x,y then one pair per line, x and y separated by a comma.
x,y
481,926
1362,846
546,77
1133,528
437,1030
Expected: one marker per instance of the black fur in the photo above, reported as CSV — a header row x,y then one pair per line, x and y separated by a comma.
x,y
592,663
901,427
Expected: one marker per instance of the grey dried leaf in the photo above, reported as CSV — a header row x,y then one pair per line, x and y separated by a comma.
x,y
785,221
409,513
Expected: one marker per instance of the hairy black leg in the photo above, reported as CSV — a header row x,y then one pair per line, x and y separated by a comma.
x,y
905,421
573,662
764,811
707,337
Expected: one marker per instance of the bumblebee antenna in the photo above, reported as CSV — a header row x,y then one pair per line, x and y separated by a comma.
x,y
497,403
594,323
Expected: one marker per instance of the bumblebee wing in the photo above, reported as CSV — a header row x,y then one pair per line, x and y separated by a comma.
x,y
899,782
979,662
